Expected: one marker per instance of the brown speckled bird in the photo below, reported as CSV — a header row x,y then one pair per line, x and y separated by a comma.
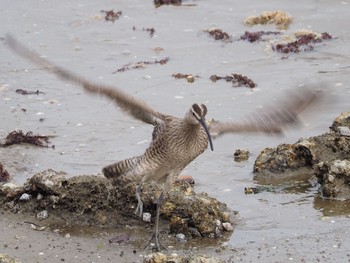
x,y
176,142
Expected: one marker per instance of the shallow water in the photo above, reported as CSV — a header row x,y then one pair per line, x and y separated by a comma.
x,y
91,132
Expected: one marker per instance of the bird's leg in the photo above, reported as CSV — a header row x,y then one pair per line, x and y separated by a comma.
x,y
139,208
155,235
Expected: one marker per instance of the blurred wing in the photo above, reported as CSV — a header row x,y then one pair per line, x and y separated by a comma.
x,y
136,108
272,119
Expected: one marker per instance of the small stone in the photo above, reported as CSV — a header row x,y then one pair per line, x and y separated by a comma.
x,y
227,226
241,155
146,217
181,238
25,197
42,215
194,232
39,197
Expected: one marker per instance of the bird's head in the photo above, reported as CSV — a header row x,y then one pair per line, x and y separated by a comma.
x,y
196,115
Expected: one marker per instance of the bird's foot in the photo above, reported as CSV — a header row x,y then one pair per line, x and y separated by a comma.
x,y
157,244
139,209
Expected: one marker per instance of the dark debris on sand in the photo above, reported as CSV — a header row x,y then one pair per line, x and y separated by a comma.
x,y
26,92
237,80
255,36
111,15
18,137
218,34
141,64
304,42
4,175
159,3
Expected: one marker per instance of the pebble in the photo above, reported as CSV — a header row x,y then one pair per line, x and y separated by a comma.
x,y
39,196
42,215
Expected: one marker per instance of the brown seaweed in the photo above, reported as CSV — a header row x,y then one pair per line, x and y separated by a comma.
x,y
304,42
141,64
111,15
218,34
18,137
150,30
158,3
236,79
255,36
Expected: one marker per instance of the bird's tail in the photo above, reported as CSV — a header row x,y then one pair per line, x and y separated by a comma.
x,y
118,172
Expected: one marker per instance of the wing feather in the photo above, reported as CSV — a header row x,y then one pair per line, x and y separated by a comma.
x,y
131,105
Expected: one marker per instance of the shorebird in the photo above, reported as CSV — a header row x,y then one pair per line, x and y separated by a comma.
x,y
176,142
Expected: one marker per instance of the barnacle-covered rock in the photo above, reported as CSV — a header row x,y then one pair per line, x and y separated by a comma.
x,y
341,122
287,162
321,155
93,200
48,181
334,178
241,155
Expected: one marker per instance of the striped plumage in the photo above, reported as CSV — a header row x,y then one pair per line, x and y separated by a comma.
x,y
176,142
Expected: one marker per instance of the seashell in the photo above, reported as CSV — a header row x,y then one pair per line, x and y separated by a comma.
x,y
146,217
25,197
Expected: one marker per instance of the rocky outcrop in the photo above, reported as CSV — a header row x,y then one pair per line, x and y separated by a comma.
x,y
324,156
90,200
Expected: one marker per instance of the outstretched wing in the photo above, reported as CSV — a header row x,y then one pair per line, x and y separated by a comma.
x,y
272,119
135,107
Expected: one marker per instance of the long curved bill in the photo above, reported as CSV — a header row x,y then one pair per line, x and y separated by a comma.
x,y
204,125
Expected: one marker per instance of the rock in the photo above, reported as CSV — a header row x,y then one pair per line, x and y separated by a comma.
x,y
155,258
287,162
241,155
325,156
334,177
10,190
93,201
296,162
48,181
343,120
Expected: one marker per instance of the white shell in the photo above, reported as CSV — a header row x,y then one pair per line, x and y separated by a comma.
x,y
25,197
146,217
